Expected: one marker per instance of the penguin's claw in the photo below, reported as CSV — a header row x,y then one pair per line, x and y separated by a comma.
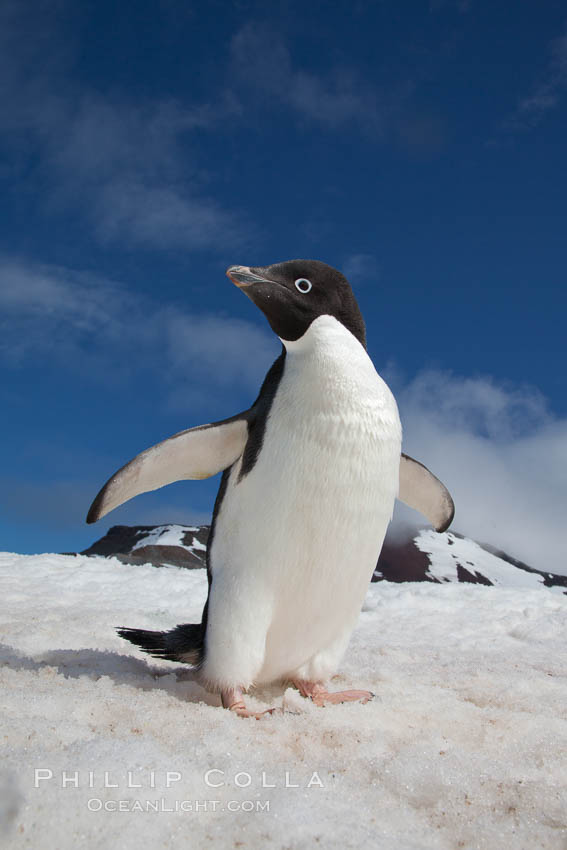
x,y
242,711
232,699
321,697
343,696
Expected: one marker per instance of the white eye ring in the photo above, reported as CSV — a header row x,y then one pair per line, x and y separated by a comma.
x,y
303,285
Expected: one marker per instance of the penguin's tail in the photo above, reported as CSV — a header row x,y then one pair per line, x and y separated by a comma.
x,y
183,643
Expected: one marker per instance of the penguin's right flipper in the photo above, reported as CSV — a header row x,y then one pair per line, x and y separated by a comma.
x,y
193,454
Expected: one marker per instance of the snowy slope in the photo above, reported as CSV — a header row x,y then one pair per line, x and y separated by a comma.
x,y
455,558
168,535
447,552
464,745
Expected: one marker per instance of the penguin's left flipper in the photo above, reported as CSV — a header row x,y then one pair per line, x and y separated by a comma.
x,y
193,454
423,492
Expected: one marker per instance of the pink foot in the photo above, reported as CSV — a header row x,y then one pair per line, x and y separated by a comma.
x,y
320,696
233,700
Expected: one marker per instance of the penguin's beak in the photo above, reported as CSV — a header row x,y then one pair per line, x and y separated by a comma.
x,y
243,276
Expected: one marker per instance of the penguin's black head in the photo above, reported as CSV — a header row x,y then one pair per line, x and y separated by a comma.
x,y
293,294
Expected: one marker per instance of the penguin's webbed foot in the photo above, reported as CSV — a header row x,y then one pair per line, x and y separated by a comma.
x,y
321,696
233,700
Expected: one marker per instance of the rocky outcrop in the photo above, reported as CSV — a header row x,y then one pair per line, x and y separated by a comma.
x,y
160,545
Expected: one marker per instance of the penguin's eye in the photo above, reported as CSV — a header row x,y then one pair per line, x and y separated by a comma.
x,y
303,284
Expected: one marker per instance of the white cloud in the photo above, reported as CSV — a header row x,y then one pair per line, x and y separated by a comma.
x,y
52,292
503,457
262,60
462,6
77,318
163,216
62,504
128,166
241,351
55,312
133,165
360,268
105,137
546,93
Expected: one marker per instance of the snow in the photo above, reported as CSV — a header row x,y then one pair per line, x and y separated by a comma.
x,y
445,551
464,745
168,535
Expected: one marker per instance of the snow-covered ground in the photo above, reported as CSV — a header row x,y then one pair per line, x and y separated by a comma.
x,y
446,551
463,747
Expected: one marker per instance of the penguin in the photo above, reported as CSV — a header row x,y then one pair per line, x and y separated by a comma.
x,y
310,474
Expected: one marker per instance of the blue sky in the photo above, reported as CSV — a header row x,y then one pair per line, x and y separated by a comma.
x,y
420,147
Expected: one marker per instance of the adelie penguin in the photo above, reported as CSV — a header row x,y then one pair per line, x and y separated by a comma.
x,y
310,475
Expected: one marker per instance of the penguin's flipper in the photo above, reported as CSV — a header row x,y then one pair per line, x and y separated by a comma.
x,y
423,492
193,454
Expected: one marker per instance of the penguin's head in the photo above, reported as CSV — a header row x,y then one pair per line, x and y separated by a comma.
x,y
295,293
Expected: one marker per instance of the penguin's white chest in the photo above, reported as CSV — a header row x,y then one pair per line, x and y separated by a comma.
x,y
297,539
